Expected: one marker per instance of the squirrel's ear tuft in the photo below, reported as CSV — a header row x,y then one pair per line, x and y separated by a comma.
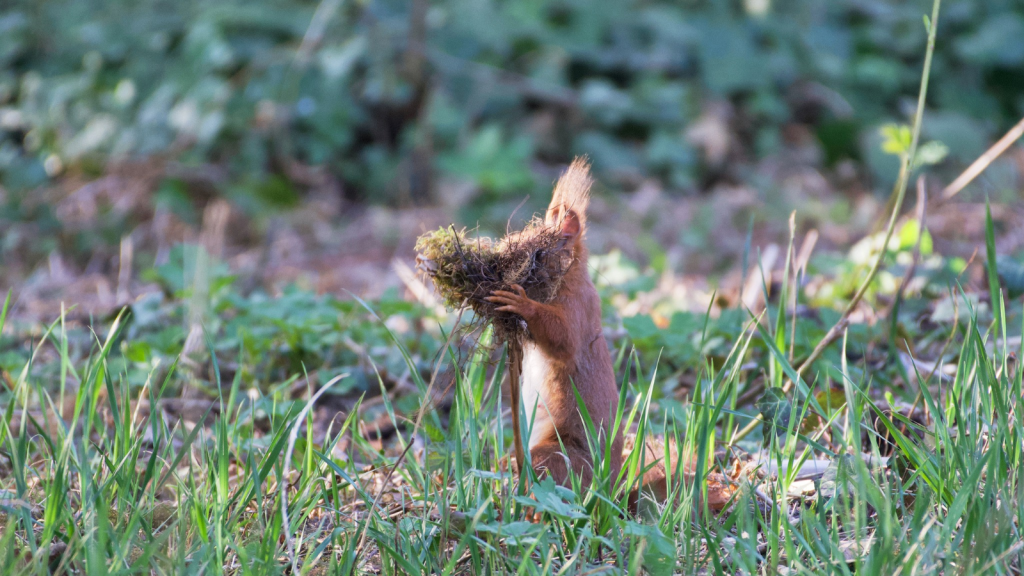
x,y
572,192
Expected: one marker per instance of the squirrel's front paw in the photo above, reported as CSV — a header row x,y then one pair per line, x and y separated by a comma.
x,y
516,302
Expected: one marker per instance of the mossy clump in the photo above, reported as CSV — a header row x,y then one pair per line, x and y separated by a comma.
x,y
467,270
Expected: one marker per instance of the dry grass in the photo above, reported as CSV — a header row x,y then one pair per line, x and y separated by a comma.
x,y
466,270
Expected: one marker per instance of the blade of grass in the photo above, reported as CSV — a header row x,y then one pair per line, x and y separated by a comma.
x,y
991,268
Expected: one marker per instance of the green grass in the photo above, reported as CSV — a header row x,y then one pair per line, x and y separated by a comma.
x,y
96,477
248,492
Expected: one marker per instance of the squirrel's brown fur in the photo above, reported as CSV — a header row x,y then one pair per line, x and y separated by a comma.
x,y
566,347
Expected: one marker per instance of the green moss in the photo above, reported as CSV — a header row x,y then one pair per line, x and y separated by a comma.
x,y
465,271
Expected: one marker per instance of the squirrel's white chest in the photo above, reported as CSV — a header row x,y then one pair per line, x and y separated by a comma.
x,y
536,368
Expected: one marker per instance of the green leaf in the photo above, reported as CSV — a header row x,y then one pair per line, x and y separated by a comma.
x,y
138,351
659,551
558,501
930,153
517,533
908,237
896,139
641,327
775,409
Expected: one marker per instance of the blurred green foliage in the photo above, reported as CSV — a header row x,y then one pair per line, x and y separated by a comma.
x,y
393,96
267,340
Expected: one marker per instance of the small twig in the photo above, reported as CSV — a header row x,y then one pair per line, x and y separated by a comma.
x,y
515,369
753,290
979,165
124,272
508,223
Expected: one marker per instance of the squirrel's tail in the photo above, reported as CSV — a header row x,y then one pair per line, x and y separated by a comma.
x,y
663,462
654,481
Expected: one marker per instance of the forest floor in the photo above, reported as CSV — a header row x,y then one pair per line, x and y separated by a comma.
x,y
277,395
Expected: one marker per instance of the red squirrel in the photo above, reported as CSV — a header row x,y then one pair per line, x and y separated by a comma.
x,y
565,347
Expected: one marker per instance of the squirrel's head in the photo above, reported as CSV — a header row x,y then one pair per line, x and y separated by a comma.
x,y
567,212
559,239
568,209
